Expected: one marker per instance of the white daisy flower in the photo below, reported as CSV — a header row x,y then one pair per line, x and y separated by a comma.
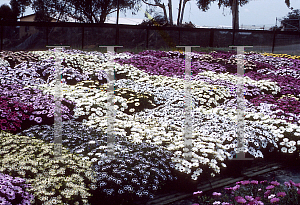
x,y
284,149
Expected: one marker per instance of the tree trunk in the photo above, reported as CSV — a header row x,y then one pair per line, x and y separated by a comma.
x,y
179,10
235,14
181,18
170,12
165,12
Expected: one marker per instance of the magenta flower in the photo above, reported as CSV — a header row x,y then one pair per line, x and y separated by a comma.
x,y
298,192
275,183
240,199
249,198
270,187
274,200
287,184
267,193
257,198
245,182
293,183
254,182
236,187
281,194
261,182
198,193
216,194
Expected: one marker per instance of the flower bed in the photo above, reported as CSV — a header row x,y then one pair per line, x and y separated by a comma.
x,y
149,104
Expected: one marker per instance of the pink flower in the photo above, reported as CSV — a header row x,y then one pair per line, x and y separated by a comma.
x,y
257,198
240,199
298,192
274,200
281,194
270,187
249,198
263,181
293,183
245,182
236,187
237,182
228,188
254,182
275,183
216,194
297,185
287,184
198,193
267,193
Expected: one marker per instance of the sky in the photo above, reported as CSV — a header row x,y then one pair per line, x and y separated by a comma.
x,y
256,12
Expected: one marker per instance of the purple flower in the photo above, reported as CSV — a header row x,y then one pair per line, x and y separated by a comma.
x,y
270,187
254,182
198,193
281,194
245,182
2,201
274,200
240,199
249,198
38,119
236,187
267,193
216,194
31,117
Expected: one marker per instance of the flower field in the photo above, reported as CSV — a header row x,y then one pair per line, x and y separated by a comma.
x,y
149,103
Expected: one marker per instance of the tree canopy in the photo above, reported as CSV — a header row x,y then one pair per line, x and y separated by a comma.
x,y
87,11
292,20
18,7
6,13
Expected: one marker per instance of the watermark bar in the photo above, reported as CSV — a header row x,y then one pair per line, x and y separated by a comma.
x,y
188,122
57,99
111,113
240,124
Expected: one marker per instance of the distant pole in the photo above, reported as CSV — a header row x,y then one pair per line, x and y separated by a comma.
x,y
235,24
1,38
117,28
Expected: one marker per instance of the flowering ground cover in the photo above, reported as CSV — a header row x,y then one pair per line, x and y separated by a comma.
x,y
149,103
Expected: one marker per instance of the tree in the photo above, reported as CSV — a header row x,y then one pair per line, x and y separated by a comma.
x,y
6,13
292,20
203,4
19,6
41,15
234,5
88,11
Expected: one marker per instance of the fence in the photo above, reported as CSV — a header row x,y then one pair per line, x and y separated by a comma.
x,y
35,35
